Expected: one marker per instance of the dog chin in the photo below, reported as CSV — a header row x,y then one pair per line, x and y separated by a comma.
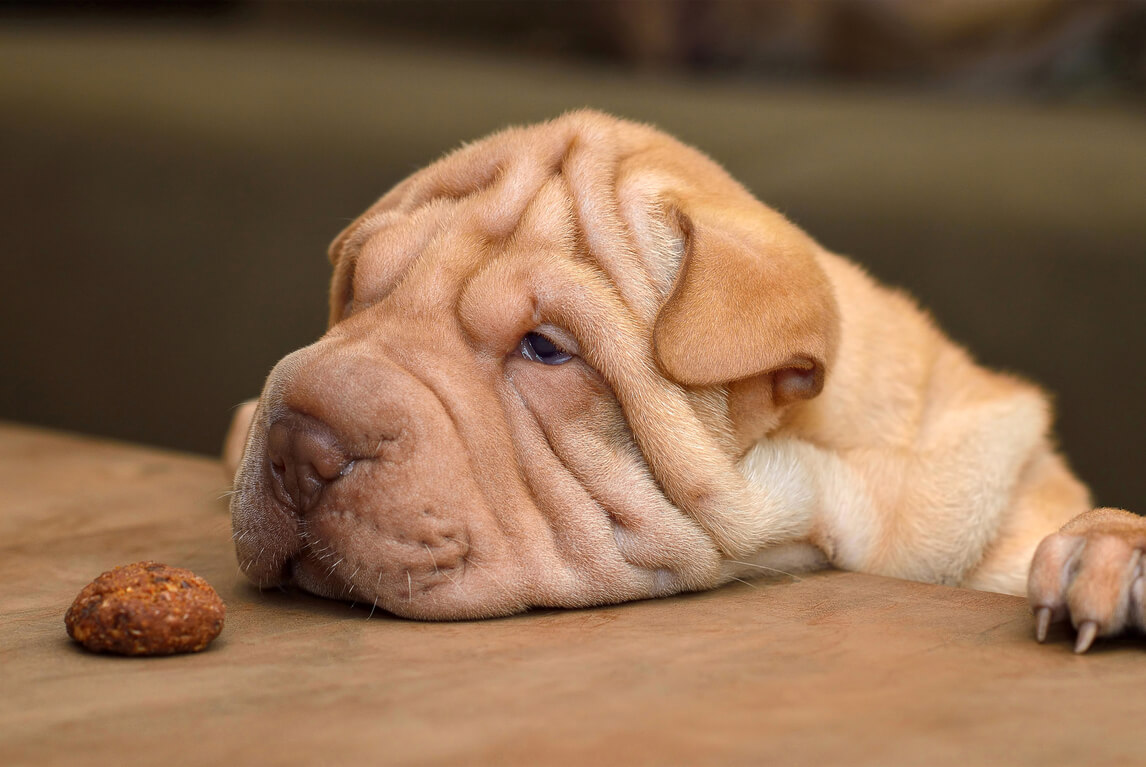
x,y
338,566
398,591
305,573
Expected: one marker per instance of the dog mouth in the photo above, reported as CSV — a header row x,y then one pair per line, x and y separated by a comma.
x,y
399,502
361,554
415,560
401,586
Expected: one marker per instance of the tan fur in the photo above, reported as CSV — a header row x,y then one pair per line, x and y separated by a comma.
x,y
738,396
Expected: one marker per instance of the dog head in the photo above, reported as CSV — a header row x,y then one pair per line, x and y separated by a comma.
x,y
546,354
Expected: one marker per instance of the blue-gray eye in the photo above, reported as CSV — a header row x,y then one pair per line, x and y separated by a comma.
x,y
538,348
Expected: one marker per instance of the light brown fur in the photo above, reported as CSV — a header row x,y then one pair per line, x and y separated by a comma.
x,y
738,396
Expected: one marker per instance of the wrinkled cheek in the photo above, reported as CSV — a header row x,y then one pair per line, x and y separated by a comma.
x,y
420,548
608,497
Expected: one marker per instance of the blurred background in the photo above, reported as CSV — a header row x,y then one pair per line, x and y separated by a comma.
x,y
171,173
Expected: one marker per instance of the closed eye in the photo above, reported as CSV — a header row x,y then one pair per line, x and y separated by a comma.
x,y
538,348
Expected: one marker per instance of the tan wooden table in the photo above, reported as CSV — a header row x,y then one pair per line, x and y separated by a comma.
x,y
828,669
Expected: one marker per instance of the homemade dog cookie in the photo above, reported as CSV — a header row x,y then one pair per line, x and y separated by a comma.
x,y
146,608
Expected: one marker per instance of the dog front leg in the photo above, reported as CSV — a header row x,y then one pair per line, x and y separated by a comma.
x,y
891,512
1091,573
936,509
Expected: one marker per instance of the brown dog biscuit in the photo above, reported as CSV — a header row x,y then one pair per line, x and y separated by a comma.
x,y
146,608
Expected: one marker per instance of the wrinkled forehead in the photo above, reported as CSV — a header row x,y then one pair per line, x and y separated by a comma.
x,y
577,183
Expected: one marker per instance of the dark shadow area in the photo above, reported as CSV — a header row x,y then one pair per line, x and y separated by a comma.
x,y
172,176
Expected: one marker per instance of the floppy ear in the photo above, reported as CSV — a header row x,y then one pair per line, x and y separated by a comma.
x,y
343,251
749,300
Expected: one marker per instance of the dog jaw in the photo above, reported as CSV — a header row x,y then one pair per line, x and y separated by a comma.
x,y
422,522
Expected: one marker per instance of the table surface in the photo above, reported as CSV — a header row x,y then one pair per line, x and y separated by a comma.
x,y
828,668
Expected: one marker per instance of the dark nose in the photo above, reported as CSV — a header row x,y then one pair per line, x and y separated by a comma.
x,y
304,456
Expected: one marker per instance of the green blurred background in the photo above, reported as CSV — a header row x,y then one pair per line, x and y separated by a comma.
x,y
171,173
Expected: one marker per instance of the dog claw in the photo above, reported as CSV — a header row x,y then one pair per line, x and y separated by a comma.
x,y
1086,633
1042,623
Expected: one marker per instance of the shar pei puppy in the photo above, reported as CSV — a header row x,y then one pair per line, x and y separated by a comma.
x,y
577,363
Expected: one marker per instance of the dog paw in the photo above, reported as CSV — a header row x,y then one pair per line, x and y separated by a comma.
x,y
1092,573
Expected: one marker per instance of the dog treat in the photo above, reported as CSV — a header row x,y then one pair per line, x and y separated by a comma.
x,y
146,609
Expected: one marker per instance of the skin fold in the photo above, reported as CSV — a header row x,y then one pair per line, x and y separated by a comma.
x,y
576,363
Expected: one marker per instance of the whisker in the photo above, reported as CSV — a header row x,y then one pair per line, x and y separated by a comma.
x,y
350,583
376,587
431,553
410,586
460,543
436,570
493,577
765,567
746,583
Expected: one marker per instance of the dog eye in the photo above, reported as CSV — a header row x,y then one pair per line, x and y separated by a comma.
x,y
538,348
